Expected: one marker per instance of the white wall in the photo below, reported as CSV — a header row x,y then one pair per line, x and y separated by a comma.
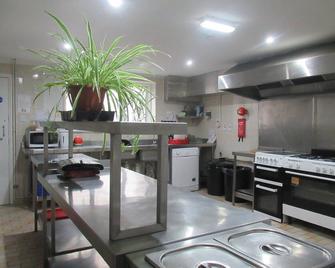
x,y
224,122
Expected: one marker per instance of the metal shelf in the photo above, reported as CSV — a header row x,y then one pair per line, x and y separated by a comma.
x,y
245,194
116,130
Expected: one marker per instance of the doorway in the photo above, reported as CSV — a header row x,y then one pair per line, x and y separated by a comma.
x,y
5,140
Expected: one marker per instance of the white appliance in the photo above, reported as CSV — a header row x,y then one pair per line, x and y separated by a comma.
x,y
63,138
34,139
185,168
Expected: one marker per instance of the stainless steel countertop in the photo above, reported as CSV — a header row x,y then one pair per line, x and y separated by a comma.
x,y
38,160
190,215
98,148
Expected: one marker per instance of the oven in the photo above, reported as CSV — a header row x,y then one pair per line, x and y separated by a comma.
x,y
268,191
311,192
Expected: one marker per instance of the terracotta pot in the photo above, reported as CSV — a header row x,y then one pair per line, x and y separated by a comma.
x,y
89,100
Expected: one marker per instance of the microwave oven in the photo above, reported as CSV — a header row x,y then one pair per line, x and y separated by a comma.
x,y
34,139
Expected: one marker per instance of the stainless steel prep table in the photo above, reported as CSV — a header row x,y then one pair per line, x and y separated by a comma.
x,y
190,215
37,162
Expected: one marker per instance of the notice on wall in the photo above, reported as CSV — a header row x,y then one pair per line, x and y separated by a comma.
x,y
24,103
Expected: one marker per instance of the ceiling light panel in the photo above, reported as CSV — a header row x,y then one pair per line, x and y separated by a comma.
x,y
115,3
217,26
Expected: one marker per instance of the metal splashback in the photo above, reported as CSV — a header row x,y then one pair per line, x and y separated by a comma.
x,y
309,71
298,123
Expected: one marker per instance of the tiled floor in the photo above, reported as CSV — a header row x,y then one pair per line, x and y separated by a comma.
x,y
20,247
300,229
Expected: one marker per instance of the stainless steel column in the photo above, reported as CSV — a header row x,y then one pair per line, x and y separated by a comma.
x,y
162,179
115,186
34,197
53,228
234,179
70,143
45,151
44,229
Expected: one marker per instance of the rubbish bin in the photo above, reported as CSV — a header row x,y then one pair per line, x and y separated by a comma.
x,y
215,181
243,180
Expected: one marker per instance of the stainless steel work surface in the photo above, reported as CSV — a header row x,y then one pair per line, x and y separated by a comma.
x,y
38,160
201,255
84,259
275,248
190,215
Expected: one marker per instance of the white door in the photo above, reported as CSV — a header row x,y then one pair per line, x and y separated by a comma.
x,y
5,157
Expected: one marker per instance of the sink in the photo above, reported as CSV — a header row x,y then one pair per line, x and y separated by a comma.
x,y
208,254
277,249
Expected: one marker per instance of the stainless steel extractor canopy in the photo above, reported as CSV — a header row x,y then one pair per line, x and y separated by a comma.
x,y
308,71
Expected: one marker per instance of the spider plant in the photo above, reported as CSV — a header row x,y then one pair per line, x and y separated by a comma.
x,y
104,71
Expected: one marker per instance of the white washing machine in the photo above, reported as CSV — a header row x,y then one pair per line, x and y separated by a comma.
x,y
185,168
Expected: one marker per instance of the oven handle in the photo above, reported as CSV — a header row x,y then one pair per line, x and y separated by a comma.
x,y
266,188
309,176
269,182
267,168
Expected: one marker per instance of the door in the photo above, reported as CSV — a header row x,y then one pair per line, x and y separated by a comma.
x,y
313,192
5,156
268,198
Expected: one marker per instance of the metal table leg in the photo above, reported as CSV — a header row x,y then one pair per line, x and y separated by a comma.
x,y
234,180
44,229
53,228
34,199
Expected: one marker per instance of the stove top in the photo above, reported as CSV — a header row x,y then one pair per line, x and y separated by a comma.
x,y
315,157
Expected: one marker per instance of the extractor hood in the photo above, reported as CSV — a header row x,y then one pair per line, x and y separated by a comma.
x,y
309,71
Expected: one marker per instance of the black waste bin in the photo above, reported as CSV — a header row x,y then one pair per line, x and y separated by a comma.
x,y
215,181
243,180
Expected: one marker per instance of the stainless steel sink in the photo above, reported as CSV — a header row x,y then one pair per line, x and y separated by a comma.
x,y
276,249
208,254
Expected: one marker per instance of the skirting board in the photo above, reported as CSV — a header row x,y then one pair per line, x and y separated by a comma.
x,y
309,216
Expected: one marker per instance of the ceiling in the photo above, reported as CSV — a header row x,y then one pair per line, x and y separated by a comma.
x,y
172,26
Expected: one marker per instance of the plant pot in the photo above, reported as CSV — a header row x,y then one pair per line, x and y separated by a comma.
x,y
89,100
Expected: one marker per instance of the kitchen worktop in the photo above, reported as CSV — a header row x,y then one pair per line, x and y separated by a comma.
x,y
98,148
87,203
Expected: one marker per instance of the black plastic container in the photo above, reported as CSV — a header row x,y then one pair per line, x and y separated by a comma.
x,y
215,181
243,181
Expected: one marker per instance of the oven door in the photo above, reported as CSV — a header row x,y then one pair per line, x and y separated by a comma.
x,y
268,198
313,192
268,173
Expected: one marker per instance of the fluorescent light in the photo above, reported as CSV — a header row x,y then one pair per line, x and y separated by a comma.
x,y
217,26
269,40
35,76
189,63
67,46
115,3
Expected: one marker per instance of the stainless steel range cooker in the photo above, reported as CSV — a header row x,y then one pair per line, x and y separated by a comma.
x,y
309,187
296,185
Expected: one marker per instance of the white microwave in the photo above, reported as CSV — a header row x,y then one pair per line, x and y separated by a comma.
x,y
34,139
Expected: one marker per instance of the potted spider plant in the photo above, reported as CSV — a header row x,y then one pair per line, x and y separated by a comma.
x,y
89,74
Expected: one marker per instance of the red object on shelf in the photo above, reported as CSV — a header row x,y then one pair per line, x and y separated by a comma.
x,y
78,140
179,141
59,214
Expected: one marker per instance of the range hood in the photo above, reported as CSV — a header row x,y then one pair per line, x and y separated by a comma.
x,y
310,71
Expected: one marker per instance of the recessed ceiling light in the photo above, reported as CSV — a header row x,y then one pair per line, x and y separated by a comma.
x,y
35,76
115,3
269,40
67,46
189,63
217,26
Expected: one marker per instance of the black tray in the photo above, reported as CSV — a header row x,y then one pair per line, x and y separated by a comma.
x,y
88,116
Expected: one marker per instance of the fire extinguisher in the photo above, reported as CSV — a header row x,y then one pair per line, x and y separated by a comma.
x,y
241,123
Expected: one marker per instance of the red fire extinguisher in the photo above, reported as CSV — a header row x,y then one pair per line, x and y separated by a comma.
x,y
242,123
